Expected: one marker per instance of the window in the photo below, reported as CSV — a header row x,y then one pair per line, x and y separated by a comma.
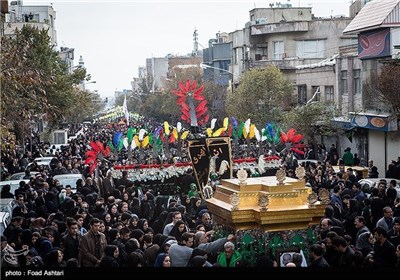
x,y
223,64
262,52
59,138
317,97
278,50
329,95
344,82
310,49
302,94
357,81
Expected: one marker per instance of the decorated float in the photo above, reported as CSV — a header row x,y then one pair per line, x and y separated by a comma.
x,y
244,187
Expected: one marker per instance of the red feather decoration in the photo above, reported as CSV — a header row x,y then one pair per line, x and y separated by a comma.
x,y
298,151
94,146
290,134
186,89
172,138
202,112
185,107
106,151
97,152
299,146
186,113
182,87
206,118
91,153
284,137
181,100
201,106
89,160
100,145
229,132
297,138
198,91
198,97
178,92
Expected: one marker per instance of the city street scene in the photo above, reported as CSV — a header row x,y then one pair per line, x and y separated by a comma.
x,y
199,135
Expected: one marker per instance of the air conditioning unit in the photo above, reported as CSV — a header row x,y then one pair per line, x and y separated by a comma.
x,y
261,21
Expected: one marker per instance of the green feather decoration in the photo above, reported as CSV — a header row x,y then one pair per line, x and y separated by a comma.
x,y
129,134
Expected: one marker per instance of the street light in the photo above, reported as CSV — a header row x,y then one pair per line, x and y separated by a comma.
x,y
205,66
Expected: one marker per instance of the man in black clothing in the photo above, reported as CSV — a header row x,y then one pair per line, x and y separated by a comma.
x,y
124,180
187,180
71,241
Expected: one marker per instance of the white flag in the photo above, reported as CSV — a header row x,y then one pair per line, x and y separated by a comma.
x,y
125,110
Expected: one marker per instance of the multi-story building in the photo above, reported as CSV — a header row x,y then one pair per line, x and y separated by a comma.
x,y
321,57
42,17
375,128
160,70
296,42
217,58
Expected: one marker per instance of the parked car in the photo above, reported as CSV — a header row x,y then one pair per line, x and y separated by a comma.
x,y
6,206
5,220
13,183
21,175
368,184
40,161
364,170
69,179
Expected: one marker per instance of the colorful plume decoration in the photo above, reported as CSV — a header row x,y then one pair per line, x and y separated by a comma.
x,y
117,144
218,132
193,104
248,130
292,141
140,140
178,133
273,133
97,153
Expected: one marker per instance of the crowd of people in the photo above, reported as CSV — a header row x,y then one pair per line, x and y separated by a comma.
x,y
108,222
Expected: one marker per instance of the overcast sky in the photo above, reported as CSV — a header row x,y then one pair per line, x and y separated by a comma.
x,y
115,37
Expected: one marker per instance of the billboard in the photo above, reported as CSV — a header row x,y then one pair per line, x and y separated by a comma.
x,y
375,43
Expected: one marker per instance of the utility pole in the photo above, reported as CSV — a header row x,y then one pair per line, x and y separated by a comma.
x,y
195,43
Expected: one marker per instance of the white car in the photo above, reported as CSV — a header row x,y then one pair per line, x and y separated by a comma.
x,y
6,206
40,161
21,175
69,179
13,183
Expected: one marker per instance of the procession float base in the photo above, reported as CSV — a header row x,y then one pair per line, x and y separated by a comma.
x,y
263,203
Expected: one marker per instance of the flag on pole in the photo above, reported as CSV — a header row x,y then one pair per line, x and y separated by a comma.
x,y
125,110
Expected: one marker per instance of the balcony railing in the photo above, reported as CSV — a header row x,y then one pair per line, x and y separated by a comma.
x,y
281,64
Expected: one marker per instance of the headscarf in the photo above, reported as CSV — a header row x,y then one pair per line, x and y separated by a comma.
x,y
362,242
160,259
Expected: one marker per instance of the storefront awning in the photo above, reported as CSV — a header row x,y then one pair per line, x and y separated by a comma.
x,y
382,122
343,123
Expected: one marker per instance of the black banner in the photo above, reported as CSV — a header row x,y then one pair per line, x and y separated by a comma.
x,y
199,156
220,156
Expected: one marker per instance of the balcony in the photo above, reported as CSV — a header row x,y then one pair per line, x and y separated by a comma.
x,y
280,27
283,64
